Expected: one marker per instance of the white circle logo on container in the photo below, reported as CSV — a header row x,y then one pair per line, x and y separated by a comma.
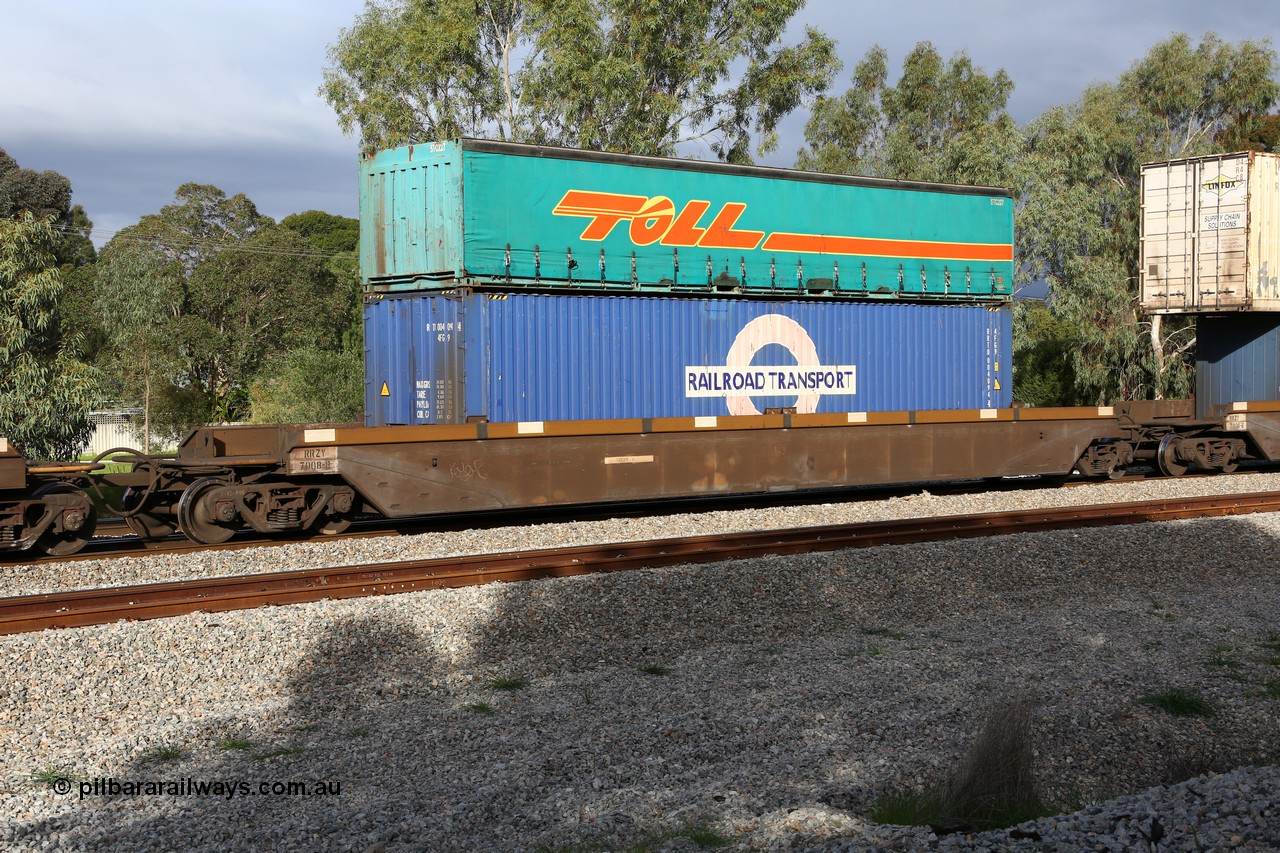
x,y
738,380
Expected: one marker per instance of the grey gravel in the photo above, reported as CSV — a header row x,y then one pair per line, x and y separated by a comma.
x,y
769,701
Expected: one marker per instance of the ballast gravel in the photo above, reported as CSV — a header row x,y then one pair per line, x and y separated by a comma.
x,y
766,704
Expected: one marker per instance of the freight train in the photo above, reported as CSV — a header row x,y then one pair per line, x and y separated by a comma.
x,y
842,332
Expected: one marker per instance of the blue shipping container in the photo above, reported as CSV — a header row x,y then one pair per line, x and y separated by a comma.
x,y
1237,360
446,357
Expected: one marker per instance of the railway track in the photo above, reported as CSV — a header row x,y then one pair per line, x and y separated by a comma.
x,y
99,606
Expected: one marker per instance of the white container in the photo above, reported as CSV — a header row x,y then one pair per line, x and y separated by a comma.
x,y
1211,234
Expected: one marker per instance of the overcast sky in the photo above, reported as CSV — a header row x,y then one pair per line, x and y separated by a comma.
x,y
130,99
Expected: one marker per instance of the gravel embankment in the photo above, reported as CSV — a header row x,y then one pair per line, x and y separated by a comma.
x,y
770,702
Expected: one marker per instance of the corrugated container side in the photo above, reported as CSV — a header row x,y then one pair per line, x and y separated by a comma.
x,y
1237,360
444,358
411,214
524,216
1211,234
1264,227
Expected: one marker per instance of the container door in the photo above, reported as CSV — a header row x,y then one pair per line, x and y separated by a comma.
x,y
1222,222
1168,236
414,360
1195,221
410,217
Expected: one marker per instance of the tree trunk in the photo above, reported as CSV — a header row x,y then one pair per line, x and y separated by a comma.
x,y
1157,348
146,403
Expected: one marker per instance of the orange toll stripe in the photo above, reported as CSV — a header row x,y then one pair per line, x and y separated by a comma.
x,y
586,203
831,245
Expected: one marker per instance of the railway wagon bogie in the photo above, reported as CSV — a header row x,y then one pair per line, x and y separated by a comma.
x,y
52,518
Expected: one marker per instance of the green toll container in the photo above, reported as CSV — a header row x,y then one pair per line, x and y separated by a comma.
x,y
504,216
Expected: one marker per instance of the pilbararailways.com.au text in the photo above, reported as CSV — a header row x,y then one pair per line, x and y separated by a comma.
x,y
189,787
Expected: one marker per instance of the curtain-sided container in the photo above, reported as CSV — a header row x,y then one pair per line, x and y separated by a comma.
x,y
1211,234
1237,361
450,357
506,216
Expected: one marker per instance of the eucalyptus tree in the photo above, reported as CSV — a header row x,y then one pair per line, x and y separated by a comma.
x,y
141,294
635,76
212,290
45,392
943,120
47,194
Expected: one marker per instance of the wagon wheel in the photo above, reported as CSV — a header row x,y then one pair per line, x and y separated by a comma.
x,y
197,515
63,543
1166,456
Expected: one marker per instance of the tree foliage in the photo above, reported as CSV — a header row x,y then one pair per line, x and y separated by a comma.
x,y
328,232
1251,132
1078,219
339,238
1042,368
642,76
634,76
47,194
141,294
45,393
942,121
310,385
225,290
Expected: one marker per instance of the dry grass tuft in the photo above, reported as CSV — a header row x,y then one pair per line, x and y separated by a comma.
x,y
993,786
996,780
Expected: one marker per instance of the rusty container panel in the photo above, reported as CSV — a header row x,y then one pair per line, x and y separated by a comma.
x,y
435,358
1211,234
1237,360
411,214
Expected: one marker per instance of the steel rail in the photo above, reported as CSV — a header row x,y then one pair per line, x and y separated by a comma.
x,y
152,601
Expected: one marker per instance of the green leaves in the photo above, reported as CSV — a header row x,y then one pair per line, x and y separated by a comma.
x,y
1180,96
47,194
633,76
45,393
425,69
942,121
310,385
205,293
